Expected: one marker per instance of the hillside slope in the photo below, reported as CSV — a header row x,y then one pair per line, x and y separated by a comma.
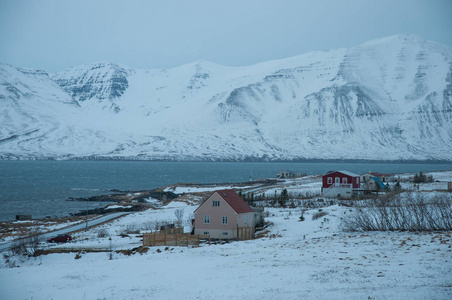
x,y
385,99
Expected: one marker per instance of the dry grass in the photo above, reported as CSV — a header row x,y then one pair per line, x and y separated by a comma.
x,y
262,234
318,215
79,251
129,252
193,199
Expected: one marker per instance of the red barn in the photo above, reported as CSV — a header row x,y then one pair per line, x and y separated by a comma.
x,y
340,184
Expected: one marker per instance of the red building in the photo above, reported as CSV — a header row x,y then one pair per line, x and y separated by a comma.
x,y
340,184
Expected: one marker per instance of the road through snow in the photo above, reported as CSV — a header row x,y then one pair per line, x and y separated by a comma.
x,y
91,223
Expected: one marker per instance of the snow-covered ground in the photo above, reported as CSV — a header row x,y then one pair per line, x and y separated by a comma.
x,y
313,259
308,186
182,189
309,259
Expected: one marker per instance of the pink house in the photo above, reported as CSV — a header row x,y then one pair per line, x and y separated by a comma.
x,y
222,214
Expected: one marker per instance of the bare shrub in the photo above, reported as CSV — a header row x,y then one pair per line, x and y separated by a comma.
x,y
319,214
190,219
26,246
123,234
148,225
19,247
132,229
157,225
414,213
9,260
179,213
101,233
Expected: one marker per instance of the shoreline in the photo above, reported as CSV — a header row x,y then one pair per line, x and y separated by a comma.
x,y
136,199
222,160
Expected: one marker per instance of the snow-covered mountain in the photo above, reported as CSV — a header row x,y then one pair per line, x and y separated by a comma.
x,y
385,99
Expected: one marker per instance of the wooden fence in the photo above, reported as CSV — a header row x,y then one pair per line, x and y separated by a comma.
x,y
177,239
245,233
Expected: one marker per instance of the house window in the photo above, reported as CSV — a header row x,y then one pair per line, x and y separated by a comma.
x,y
224,233
344,180
225,220
330,180
357,180
338,180
215,203
246,219
206,219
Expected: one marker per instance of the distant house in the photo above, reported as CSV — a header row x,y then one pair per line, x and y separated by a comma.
x,y
373,181
289,174
384,177
285,174
340,184
224,215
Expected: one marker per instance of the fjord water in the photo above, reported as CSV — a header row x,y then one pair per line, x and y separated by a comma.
x,y
41,188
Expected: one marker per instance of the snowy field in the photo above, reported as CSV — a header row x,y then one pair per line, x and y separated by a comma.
x,y
310,259
313,259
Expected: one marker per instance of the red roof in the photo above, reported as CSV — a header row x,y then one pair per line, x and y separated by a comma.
x,y
343,172
234,201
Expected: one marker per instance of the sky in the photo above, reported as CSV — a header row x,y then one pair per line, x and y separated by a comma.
x,y
55,35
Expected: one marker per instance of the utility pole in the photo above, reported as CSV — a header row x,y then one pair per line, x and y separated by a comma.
x,y
86,216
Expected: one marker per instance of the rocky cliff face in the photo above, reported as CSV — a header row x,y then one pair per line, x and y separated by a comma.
x,y
103,82
385,99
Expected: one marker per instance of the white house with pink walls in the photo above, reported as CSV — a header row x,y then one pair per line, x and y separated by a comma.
x,y
221,214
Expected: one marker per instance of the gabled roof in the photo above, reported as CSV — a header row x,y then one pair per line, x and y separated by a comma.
x,y
344,172
234,201
349,173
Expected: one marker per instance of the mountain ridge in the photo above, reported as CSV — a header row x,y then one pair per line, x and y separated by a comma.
x,y
386,99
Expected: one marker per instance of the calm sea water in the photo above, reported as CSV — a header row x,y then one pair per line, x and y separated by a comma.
x,y
40,188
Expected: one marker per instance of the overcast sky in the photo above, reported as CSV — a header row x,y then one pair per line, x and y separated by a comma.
x,y
54,35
